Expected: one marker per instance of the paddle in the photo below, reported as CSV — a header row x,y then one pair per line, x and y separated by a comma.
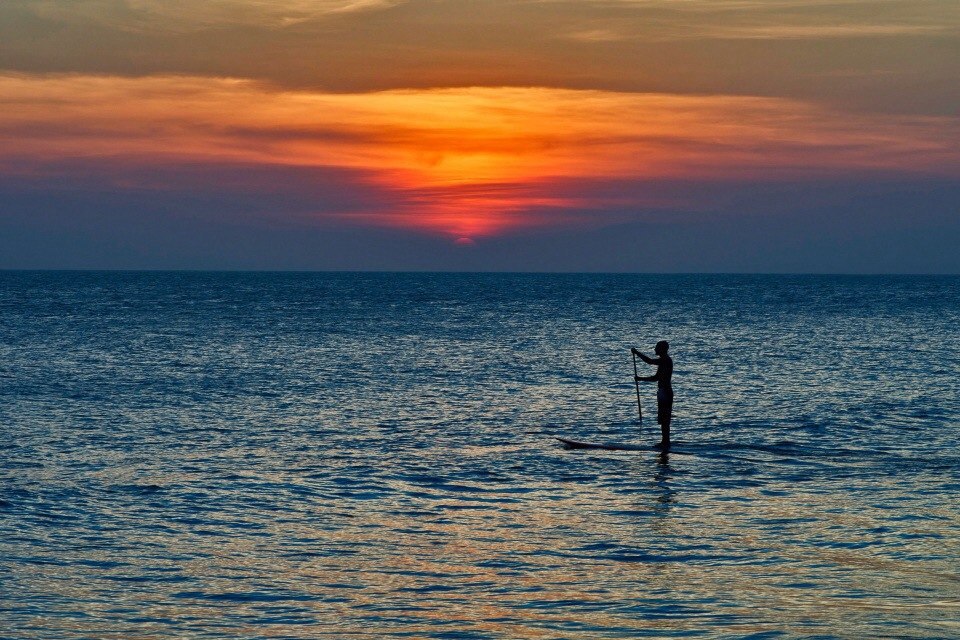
x,y
637,385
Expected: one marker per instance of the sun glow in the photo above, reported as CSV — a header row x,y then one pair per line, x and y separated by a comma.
x,y
467,162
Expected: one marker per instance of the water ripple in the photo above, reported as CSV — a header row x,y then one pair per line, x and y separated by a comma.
x,y
372,456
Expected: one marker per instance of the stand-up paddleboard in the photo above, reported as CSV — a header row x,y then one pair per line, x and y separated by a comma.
x,y
608,446
614,446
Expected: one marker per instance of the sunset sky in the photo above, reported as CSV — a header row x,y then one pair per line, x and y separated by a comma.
x,y
581,135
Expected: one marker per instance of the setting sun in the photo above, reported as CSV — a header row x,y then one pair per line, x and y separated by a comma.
x,y
462,162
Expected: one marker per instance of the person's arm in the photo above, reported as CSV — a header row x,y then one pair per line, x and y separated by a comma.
x,y
646,359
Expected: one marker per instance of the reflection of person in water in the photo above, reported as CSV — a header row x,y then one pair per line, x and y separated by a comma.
x,y
662,377
661,501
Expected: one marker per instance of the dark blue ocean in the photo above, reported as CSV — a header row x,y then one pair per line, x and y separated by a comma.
x,y
272,455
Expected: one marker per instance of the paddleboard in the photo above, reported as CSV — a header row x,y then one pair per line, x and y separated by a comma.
x,y
614,446
609,446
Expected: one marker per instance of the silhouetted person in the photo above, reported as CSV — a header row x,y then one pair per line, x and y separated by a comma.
x,y
664,387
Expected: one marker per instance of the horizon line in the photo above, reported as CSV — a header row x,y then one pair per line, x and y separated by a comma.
x,y
475,272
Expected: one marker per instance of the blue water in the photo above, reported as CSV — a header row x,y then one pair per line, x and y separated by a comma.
x,y
214,455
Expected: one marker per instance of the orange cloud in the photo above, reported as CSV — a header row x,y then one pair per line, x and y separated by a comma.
x,y
466,162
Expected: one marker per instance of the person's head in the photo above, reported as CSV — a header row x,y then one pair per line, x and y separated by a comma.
x,y
661,348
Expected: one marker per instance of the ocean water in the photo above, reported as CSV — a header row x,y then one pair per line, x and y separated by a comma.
x,y
221,455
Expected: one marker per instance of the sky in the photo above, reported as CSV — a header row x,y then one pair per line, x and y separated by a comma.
x,y
481,135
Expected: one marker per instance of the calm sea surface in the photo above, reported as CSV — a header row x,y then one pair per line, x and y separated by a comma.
x,y
200,455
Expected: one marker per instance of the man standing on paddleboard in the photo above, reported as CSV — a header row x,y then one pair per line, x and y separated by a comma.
x,y
662,377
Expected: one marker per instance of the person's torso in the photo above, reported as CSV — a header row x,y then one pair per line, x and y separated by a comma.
x,y
665,373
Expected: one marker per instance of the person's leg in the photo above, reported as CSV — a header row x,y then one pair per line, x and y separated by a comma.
x,y
663,417
664,414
